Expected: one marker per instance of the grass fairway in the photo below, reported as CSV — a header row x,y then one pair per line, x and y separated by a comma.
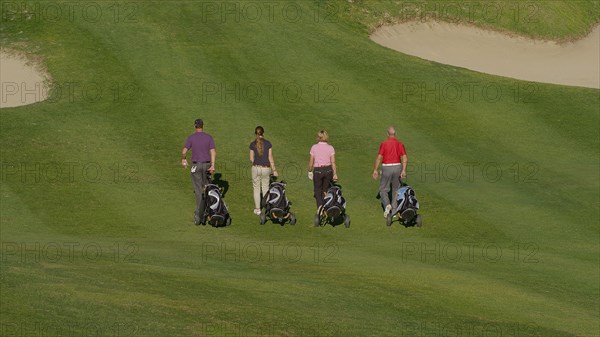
x,y
96,212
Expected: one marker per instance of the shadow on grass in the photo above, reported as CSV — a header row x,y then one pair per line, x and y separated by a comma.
x,y
223,184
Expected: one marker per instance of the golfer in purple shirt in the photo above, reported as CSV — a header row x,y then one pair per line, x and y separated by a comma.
x,y
203,161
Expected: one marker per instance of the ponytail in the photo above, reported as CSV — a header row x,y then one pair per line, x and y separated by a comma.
x,y
260,148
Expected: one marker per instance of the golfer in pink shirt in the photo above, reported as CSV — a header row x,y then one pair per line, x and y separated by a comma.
x,y
321,166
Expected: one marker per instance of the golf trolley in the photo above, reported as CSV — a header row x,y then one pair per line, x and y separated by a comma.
x,y
406,211
275,206
333,211
215,211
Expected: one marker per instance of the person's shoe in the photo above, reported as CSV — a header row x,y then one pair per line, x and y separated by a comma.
x,y
256,211
387,211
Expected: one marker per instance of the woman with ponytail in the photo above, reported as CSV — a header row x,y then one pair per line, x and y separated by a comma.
x,y
261,156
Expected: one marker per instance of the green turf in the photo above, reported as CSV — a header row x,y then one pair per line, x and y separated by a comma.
x,y
528,241
536,18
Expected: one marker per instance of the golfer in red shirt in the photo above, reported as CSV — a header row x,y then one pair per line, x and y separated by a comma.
x,y
392,157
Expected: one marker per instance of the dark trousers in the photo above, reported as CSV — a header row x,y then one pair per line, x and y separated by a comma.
x,y
322,177
199,180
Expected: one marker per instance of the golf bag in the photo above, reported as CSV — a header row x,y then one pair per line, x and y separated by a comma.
x,y
276,205
216,213
335,204
407,208
334,208
276,198
407,199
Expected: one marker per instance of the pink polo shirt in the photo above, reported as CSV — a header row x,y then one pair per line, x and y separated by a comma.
x,y
322,153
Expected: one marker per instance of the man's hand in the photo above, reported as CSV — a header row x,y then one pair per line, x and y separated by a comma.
x,y
211,169
403,174
184,163
275,174
375,174
335,178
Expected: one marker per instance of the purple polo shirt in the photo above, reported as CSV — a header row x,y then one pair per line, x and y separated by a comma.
x,y
201,143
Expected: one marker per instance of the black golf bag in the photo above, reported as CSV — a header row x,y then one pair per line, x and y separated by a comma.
x,y
276,206
216,213
407,208
334,208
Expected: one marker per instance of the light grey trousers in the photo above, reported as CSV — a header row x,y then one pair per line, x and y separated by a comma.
x,y
389,175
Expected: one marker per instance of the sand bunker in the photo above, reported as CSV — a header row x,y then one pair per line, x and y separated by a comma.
x,y
22,81
574,64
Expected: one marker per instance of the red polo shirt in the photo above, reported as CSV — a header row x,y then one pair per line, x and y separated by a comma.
x,y
392,150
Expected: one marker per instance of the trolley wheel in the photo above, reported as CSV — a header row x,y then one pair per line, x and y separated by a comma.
x,y
292,219
317,221
347,220
228,222
419,221
263,217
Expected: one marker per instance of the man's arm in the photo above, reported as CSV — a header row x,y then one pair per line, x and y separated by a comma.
x,y
251,156
184,162
213,157
377,162
404,163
